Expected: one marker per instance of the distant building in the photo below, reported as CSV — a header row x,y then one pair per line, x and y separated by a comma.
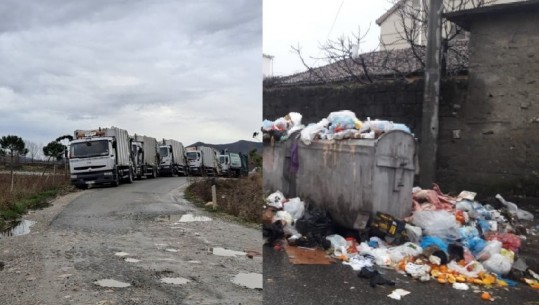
x,y
267,66
393,25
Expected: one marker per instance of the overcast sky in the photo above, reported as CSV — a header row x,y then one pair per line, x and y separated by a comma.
x,y
311,22
186,70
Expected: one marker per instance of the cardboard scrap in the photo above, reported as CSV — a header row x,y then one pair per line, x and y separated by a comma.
x,y
307,256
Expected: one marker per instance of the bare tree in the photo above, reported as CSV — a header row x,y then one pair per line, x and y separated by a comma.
x,y
344,61
33,149
412,28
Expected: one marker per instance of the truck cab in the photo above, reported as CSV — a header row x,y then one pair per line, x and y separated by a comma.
x,y
93,160
166,164
194,160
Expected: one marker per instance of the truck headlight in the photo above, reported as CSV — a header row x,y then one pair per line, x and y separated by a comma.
x,y
73,176
108,173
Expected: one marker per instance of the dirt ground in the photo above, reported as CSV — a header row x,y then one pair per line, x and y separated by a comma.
x,y
60,261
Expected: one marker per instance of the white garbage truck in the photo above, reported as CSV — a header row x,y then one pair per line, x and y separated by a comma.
x,y
172,156
203,160
145,156
100,156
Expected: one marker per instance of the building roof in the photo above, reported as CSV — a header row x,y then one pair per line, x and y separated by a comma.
x,y
389,12
464,18
387,64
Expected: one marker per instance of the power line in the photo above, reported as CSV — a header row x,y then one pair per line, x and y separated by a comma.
x,y
335,19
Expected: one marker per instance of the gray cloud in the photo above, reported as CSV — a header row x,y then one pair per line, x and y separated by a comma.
x,y
146,65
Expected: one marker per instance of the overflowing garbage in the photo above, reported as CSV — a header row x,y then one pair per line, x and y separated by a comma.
x,y
453,240
337,126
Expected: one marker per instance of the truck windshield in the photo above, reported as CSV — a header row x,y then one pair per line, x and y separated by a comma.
x,y
163,151
89,149
222,160
192,155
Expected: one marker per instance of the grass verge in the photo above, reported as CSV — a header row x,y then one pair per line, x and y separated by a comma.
x,y
29,192
240,198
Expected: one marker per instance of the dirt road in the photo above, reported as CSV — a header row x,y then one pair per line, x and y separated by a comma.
x,y
131,236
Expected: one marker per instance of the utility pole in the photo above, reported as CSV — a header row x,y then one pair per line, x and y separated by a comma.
x,y
431,94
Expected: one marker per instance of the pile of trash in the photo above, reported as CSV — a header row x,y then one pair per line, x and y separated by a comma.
x,y
337,126
451,240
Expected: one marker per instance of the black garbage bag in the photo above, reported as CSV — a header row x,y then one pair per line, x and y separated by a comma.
x,y
273,232
316,224
375,277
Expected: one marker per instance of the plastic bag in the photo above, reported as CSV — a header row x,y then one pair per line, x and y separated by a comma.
x,y
472,269
414,233
338,243
438,223
513,209
308,133
492,247
315,221
524,215
428,241
509,240
407,249
499,264
276,200
295,207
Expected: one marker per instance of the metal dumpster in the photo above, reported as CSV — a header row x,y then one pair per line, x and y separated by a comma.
x,y
349,178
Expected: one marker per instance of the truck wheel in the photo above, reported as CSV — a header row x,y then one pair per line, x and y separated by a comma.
x,y
130,177
116,181
154,173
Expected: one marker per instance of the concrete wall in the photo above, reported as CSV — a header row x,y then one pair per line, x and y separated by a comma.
x,y
499,122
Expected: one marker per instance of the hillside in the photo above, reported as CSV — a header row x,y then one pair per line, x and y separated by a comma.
x,y
239,146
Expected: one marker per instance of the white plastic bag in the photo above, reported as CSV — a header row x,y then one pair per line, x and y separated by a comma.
x,y
438,223
295,207
407,249
492,247
338,243
276,200
308,133
499,264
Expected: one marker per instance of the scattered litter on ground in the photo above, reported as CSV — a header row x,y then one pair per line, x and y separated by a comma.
x,y
111,283
132,260
65,275
457,240
398,293
171,250
121,254
175,280
225,252
192,218
249,280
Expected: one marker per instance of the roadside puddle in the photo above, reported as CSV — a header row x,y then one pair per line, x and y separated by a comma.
x,y
110,283
175,280
21,228
248,280
192,218
225,252
168,218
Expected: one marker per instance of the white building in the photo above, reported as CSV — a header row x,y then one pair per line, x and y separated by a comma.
x,y
393,25
267,66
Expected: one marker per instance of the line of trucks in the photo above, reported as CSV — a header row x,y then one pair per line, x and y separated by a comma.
x,y
112,156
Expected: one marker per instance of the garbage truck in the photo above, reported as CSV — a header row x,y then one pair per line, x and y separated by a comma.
x,y
172,158
233,164
351,179
100,156
145,156
203,160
